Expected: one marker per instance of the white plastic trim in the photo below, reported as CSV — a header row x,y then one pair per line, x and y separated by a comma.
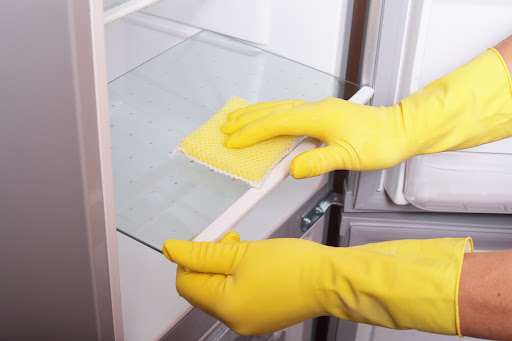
x,y
408,82
234,214
102,112
125,9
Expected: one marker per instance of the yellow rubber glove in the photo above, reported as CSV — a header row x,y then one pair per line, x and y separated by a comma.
x,y
259,287
468,107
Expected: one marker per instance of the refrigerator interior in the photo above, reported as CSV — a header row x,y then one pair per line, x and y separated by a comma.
x,y
160,108
154,106
165,79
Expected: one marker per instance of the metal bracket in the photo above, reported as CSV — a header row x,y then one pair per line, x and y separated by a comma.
x,y
319,210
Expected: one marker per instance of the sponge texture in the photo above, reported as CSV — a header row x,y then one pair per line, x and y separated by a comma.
x,y
252,164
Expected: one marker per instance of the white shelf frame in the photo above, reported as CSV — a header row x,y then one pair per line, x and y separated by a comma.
x,y
125,9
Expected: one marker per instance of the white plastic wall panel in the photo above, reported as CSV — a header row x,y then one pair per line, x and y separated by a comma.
x,y
309,32
139,37
244,19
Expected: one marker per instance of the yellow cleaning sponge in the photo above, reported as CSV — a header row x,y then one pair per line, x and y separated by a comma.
x,y
207,146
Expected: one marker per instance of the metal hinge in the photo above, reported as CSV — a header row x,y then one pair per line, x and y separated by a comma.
x,y
320,208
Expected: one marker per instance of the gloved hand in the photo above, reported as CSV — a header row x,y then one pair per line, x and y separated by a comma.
x,y
468,107
259,287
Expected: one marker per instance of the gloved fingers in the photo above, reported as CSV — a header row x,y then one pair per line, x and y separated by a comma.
x,y
295,122
200,289
322,160
235,122
206,257
230,237
254,107
264,105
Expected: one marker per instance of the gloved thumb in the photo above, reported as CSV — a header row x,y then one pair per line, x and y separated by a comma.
x,y
230,237
320,161
206,257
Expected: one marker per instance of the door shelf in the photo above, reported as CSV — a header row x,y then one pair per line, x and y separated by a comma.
x,y
154,106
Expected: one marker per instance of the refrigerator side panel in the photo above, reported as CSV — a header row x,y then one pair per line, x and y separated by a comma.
x,y
57,252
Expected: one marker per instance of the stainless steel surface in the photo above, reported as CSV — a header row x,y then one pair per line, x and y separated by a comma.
x,y
292,228
345,330
54,261
320,209
489,231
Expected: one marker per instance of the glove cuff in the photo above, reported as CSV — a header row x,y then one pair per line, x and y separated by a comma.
x,y
468,107
405,284
469,248
502,61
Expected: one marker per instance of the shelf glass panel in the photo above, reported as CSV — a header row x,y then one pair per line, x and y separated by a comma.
x,y
154,106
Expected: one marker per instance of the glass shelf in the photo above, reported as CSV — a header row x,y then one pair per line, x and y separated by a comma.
x,y
153,107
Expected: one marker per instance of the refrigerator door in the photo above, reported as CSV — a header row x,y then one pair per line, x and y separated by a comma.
x,y
409,44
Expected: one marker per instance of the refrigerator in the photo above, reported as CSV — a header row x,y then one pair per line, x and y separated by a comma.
x,y
96,95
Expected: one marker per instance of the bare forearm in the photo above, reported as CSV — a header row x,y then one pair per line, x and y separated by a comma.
x,y
485,295
505,49
485,292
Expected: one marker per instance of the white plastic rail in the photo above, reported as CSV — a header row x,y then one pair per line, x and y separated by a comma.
x,y
125,9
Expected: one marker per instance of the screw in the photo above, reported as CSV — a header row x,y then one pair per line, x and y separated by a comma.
x,y
318,209
306,220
